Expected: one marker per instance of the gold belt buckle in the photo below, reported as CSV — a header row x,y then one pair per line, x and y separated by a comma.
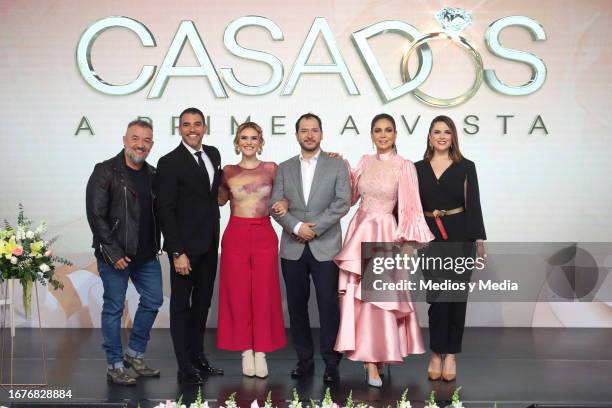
x,y
438,213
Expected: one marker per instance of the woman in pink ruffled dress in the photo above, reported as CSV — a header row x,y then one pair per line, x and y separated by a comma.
x,y
380,332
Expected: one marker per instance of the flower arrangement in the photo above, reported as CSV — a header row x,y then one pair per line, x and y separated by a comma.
x,y
431,401
456,401
404,402
327,401
26,256
230,402
267,403
295,401
199,402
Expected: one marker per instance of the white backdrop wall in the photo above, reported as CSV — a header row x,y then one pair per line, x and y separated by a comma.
x,y
536,185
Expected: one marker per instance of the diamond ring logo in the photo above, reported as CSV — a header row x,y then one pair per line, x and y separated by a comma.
x,y
453,20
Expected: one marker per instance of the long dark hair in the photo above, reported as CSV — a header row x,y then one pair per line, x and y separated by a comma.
x,y
453,151
387,117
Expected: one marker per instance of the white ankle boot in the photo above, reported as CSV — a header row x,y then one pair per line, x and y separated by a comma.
x,y
261,367
248,363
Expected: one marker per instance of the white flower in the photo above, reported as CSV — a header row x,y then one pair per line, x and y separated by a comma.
x,y
41,228
457,405
169,404
13,260
432,406
44,267
405,404
39,275
29,234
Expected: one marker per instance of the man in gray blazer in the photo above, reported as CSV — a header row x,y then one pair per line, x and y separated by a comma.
x,y
318,189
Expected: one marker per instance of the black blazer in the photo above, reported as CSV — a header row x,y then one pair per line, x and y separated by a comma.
x,y
186,206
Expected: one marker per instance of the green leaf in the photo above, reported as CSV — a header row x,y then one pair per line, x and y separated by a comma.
x,y
432,398
455,397
403,399
349,400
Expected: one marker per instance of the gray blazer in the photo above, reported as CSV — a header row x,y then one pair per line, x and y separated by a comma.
x,y
329,201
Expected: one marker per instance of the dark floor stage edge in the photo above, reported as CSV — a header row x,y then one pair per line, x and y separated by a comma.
x,y
509,367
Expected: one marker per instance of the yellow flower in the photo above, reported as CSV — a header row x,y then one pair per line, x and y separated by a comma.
x,y
10,246
35,247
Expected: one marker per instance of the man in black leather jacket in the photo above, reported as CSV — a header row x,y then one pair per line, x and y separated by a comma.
x,y
119,203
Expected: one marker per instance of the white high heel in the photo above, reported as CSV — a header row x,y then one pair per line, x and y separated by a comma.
x,y
248,363
261,366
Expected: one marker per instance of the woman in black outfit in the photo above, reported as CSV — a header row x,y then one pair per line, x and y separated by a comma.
x,y
448,188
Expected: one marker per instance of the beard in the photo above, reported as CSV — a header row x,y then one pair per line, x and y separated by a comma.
x,y
134,157
310,149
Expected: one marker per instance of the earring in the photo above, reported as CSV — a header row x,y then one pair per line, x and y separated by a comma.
x,y
260,150
236,150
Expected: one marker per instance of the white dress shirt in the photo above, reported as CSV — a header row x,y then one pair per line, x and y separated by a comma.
x,y
308,168
207,163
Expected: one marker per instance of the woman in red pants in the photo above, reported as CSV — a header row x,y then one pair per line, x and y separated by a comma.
x,y
250,309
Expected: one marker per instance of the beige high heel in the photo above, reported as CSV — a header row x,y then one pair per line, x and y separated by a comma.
x,y
434,372
248,363
449,372
261,366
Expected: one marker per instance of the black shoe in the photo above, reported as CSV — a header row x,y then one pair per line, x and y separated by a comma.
x,y
202,365
303,370
331,375
189,376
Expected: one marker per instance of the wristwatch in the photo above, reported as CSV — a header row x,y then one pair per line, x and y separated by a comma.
x,y
176,254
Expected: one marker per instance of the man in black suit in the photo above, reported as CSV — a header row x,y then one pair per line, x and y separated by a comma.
x,y
186,188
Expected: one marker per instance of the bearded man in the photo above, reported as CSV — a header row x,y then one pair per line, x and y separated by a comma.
x,y
120,203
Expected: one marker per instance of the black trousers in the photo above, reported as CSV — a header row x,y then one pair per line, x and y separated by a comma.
x,y
447,308
297,282
446,324
190,300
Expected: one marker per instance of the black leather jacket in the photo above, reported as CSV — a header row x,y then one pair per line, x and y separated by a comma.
x,y
113,211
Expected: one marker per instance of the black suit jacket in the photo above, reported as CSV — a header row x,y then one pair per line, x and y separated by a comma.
x,y
187,207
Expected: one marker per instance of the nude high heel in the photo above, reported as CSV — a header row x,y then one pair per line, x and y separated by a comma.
x,y
449,372
248,363
434,371
261,366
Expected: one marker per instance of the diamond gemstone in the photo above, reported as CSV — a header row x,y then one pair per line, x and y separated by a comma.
x,y
453,20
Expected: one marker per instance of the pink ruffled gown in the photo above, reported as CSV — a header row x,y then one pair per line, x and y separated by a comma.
x,y
379,331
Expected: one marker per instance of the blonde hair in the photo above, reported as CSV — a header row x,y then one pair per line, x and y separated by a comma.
x,y
249,125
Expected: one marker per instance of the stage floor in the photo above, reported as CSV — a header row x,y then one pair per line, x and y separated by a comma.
x,y
514,367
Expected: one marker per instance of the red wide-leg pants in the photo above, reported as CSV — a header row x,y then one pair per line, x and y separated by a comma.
x,y
250,309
